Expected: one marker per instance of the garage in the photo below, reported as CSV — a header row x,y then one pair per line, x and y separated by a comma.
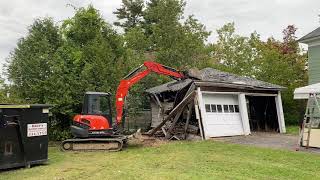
x,y
222,116
222,104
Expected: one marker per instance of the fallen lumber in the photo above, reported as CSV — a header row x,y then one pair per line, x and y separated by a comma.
x,y
176,110
175,120
188,120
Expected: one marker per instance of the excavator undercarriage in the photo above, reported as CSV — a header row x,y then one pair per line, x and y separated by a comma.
x,y
113,143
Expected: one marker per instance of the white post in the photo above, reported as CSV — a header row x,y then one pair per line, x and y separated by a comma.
x,y
244,114
202,112
196,108
278,101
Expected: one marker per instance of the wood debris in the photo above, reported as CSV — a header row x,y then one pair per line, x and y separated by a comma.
x,y
182,122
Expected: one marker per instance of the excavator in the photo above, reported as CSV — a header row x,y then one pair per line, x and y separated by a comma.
x,y
94,128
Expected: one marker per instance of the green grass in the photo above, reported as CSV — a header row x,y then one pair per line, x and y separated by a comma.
x,y
294,130
178,160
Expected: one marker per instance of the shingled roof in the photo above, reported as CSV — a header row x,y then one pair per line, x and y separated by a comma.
x,y
314,34
171,86
214,77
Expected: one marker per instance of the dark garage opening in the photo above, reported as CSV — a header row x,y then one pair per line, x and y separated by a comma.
x,y
262,113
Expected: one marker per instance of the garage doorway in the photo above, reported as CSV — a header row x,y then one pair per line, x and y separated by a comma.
x,y
262,113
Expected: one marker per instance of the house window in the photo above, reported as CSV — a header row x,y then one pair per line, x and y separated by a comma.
x,y
236,108
231,108
208,108
226,108
213,108
219,108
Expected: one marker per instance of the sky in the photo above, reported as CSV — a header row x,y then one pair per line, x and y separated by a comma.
x,y
267,17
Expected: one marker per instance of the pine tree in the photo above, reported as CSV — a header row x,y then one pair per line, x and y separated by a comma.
x,y
130,14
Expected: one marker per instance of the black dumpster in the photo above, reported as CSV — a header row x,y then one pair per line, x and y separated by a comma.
x,y
23,135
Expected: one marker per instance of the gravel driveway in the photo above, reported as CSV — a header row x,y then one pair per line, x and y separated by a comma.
x,y
270,140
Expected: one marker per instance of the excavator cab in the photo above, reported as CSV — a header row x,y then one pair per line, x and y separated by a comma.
x,y
95,119
97,103
92,129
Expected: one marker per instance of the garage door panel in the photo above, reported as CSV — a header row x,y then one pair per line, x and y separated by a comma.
x,y
216,122
225,130
220,119
225,123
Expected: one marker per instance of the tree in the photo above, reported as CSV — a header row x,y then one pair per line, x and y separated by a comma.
x,y
163,32
285,64
88,60
136,40
164,13
235,53
181,46
131,13
175,42
278,62
56,65
162,35
290,44
29,65
7,94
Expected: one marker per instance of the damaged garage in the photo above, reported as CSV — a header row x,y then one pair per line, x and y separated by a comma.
x,y
212,103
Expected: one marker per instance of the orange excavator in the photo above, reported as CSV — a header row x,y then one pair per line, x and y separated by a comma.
x,y
94,129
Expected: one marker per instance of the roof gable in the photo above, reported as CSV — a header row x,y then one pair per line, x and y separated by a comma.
x,y
314,34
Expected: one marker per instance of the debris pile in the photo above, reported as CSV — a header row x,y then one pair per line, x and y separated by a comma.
x,y
182,122
180,130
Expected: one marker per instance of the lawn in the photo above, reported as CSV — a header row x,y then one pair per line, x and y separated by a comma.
x,y
293,129
177,160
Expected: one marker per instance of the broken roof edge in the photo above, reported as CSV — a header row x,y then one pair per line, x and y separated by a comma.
x,y
199,83
171,86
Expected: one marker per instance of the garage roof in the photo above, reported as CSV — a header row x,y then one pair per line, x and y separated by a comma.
x,y
214,77
170,86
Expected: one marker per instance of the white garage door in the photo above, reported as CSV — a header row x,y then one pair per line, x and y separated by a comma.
x,y
222,115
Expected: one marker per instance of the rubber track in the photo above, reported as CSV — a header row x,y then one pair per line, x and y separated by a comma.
x,y
92,141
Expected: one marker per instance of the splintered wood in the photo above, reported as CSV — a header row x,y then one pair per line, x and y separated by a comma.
x,y
181,123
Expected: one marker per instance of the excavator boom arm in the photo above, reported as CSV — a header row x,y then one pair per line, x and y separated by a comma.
x,y
135,77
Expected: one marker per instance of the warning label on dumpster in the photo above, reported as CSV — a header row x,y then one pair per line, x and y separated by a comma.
x,y
39,129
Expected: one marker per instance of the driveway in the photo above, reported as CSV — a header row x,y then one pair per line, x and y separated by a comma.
x,y
269,140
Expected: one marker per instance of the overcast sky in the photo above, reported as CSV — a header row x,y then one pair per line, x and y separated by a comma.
x,y
267,17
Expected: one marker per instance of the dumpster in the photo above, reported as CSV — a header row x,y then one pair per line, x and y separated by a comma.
x,y
23,135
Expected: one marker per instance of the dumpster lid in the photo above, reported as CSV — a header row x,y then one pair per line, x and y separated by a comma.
x,y
24,106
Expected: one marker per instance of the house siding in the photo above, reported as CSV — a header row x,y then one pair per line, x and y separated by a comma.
x,y
314,64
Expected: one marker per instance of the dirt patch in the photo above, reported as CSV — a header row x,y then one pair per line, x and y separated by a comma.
x,y
269,140
147,141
